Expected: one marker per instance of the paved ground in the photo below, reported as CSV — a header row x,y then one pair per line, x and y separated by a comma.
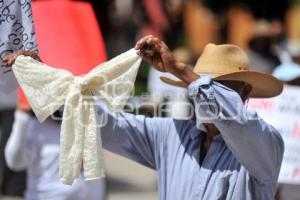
x,y
10,198
126,180
133,196
115,196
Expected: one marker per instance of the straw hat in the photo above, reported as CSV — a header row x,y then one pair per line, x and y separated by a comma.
x,y
229,62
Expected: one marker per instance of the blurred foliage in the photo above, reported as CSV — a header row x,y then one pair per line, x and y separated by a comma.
x,y
141,79
295,2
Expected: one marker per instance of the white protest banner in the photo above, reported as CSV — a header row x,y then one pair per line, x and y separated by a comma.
x,y
283,112
8,82
17,33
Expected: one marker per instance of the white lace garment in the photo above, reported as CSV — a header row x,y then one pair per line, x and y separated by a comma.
x,y
47,89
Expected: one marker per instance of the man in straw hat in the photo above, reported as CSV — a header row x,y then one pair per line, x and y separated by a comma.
x,y
226,152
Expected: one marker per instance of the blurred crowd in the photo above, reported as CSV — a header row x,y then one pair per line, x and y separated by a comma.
x,y
269,31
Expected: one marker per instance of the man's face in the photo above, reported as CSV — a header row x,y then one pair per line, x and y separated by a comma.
x,y
242,88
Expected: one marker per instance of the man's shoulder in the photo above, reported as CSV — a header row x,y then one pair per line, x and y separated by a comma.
x,y
183,127
172,126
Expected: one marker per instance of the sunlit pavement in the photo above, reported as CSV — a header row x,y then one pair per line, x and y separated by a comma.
x,y
10,198
126,180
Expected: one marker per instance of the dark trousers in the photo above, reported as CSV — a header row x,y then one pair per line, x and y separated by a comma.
x,y
11,183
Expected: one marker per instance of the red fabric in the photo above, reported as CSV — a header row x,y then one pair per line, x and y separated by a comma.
x,y
68,36
22,101
156,14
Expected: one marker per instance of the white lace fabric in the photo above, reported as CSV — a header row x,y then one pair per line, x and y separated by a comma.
x,y
47,89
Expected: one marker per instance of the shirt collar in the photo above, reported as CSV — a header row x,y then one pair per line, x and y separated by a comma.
x,y
198,131
202,130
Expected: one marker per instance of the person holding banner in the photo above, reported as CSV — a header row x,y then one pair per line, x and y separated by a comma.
x,y
17,33
225,151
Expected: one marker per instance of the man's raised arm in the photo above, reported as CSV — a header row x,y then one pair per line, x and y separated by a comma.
x,y
256,144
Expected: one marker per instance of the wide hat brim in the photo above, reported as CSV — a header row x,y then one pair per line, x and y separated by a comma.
x,y
263,85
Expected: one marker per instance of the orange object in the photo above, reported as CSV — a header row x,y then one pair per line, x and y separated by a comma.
x,y
201,26
68,36
293,22
240,26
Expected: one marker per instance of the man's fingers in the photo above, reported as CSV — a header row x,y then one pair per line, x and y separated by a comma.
x,y
161,65
141,42
152,59
154,51
5,59
5,63
147,54
157,45
152,41
9,61
149,40
146,58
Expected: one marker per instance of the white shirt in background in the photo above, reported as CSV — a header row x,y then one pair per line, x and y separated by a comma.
x,y
35,146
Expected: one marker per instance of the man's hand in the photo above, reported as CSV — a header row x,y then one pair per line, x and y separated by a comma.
x,y
10,59
155,52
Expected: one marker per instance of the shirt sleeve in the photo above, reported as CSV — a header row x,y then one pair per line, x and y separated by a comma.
x,y
136,137
15,148
257,145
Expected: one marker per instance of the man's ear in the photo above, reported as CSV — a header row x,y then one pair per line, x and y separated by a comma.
x,y
246,92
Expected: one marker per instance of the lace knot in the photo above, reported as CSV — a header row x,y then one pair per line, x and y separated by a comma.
x,y
80,83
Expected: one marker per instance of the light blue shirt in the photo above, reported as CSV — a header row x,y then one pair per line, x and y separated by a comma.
x,y
242,162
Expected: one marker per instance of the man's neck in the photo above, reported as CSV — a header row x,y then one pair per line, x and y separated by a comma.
x,y
212,131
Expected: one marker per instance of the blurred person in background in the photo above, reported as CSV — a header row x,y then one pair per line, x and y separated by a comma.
x,y
261,49
17,33
34,146
123,21
289,71
162,18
